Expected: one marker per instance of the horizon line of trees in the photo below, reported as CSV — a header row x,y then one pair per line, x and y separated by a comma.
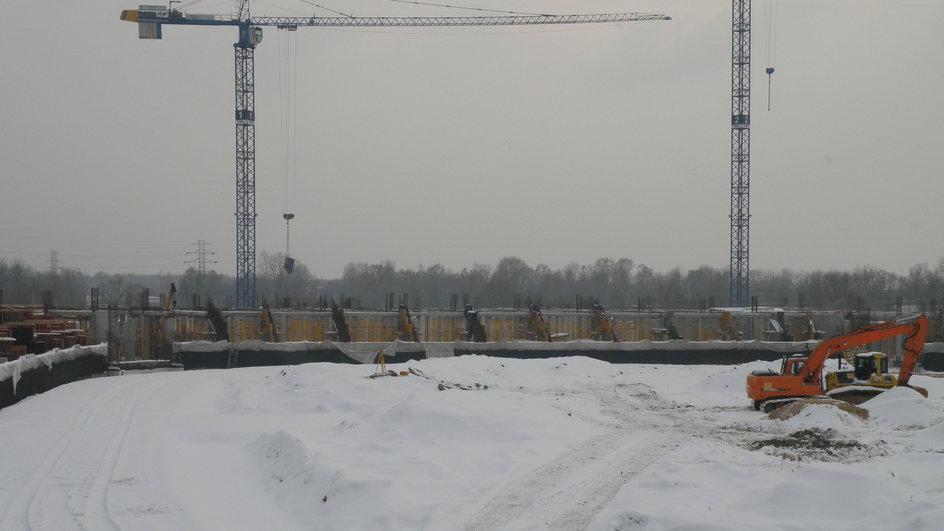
x,y
511,283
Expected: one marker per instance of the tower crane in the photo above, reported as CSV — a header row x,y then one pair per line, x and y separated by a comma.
x,y
151,19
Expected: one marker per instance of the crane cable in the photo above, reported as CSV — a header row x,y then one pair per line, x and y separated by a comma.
x,y
329,9
469,8
288,96
771,20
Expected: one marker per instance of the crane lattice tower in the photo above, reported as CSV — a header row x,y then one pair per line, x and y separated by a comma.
x,y
739,276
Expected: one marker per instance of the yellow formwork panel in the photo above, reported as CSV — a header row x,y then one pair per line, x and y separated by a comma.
x,y
452,331
627,331
708,334
355,327
645,332
495,329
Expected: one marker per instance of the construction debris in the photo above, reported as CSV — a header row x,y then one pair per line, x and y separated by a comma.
x,y
444,385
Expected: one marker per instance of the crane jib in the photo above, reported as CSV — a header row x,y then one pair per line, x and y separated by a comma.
x,y
509,20
163,16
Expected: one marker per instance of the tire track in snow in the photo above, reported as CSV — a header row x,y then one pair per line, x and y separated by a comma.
x,y
95,514
566,493
24,507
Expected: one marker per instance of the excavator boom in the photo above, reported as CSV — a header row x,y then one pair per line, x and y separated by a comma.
x,y
915,328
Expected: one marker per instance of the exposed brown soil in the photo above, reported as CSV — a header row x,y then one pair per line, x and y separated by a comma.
x,y
798,406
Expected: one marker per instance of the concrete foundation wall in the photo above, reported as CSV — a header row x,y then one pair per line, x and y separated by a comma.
x,y
148,335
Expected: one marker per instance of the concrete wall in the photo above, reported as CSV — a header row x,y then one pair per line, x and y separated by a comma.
x,y
147,335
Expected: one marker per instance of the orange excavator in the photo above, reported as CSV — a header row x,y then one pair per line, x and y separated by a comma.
x,y
802,376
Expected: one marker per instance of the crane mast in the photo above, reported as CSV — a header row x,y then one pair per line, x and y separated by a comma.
x,y
739,275
151,19
244,67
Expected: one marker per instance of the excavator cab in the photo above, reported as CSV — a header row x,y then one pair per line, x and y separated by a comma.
x,y
867,365
793,365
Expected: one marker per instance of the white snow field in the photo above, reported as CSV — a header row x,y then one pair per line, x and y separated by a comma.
x,y
564,444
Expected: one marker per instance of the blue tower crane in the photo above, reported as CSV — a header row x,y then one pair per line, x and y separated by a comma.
x,y
152,18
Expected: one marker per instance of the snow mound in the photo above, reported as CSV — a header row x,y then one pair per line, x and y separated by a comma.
x,y
313,491
513,373
710,486
699,386
818,413
902,407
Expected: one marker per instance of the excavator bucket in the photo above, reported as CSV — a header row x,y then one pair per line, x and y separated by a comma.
x,y
855,394
858,394
921,390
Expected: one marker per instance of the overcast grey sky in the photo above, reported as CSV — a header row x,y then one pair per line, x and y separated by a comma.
x,y
461,146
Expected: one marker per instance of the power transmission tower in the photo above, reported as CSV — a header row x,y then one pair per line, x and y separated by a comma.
x,y
54,261
739,279
201,259
151,19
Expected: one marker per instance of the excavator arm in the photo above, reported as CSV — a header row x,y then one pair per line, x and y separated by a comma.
x,y
169,298
915,328
914,345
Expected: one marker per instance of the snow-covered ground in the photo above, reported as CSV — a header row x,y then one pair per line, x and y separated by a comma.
x,y
561,444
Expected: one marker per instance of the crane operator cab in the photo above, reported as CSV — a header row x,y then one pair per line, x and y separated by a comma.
x,y
867,365
793,365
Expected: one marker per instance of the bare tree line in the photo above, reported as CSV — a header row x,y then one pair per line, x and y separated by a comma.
x,y
615,283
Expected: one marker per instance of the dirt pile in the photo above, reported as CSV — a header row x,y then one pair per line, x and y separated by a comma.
x,y
794,408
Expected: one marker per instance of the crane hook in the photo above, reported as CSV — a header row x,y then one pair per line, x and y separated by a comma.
x,y
770,72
